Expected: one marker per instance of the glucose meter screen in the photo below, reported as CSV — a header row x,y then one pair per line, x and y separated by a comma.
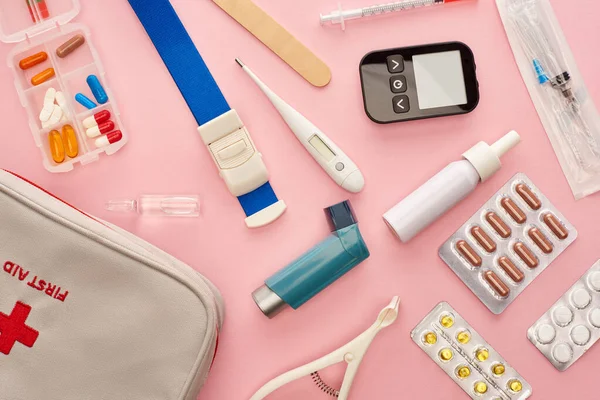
x,y
440,80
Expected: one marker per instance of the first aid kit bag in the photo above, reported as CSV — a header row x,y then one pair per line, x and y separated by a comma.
x,y
91,312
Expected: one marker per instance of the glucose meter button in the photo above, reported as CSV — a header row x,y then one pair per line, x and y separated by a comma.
x,y
545,333
340,166
398,84
563,316
401,104
562,353
581,298
395,64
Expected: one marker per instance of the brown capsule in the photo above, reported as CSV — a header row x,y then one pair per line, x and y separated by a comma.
x,y
513,210
496,283
526,255
70,46
468,253
541,240
528,196
556,226
499,226
483,239
511,269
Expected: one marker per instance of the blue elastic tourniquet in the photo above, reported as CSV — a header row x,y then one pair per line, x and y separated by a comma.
x,y
192,77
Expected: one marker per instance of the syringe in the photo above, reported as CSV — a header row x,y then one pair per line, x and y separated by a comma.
x,y
340,16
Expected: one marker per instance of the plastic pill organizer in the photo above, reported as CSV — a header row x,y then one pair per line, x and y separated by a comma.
x,y
572,325
501,249
61,70
467,358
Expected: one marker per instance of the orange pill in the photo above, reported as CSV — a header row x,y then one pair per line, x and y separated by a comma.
x,y
69,139
43,76
57,149
33,60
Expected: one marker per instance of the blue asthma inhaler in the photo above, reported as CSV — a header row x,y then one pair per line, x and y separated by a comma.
x,y
319,267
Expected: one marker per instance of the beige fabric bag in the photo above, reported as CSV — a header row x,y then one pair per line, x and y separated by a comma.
x,y
91,312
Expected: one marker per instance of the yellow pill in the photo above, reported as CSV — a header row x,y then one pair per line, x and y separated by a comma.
x,y
482,354
57,149
515,385
498,369
463,372
463,337
480,387
446,354
430,338
447,321
69,139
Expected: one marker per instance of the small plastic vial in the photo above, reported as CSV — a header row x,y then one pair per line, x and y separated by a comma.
x,y
159,205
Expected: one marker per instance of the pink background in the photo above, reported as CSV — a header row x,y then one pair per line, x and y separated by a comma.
x,y
165,155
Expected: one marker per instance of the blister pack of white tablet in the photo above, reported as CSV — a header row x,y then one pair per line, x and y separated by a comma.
x,y
572,325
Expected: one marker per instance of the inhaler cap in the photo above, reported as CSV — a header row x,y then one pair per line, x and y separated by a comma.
x,y
340,216
486,159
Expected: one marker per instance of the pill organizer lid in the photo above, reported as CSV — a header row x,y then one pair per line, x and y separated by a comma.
x,y
16,23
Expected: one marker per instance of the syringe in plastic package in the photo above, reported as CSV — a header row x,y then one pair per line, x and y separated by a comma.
x,y
340,16
541,46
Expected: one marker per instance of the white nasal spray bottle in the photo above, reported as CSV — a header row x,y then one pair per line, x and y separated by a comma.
x,y
452,184
330,157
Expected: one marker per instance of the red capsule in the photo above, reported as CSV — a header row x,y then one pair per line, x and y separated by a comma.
x,y
96,119
112,137
101,129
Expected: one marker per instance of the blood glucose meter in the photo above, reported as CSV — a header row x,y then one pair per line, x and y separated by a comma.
x,y
419,82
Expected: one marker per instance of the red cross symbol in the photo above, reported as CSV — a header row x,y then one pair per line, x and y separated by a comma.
x,y
13,329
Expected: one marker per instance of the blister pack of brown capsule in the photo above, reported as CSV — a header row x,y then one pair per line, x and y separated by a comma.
x,y
501,249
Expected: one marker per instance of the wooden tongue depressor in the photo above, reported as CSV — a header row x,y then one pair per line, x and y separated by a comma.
x,y
278,39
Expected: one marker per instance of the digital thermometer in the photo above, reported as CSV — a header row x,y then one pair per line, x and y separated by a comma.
x,y
333,160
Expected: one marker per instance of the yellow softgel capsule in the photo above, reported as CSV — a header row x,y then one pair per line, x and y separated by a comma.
x,y
498,369
463,337
515,385
447,321
57,149
480,387
446,354
430,338
69,139
463,372
482,354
